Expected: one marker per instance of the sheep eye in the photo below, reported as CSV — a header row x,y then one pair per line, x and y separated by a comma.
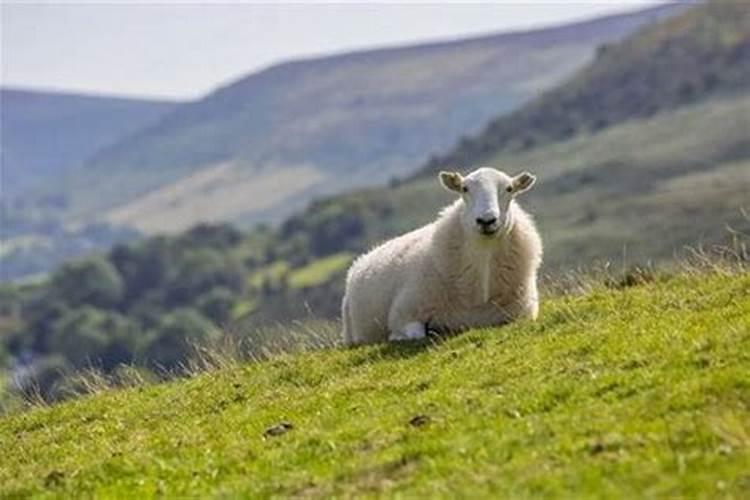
x,y
465,189
509,189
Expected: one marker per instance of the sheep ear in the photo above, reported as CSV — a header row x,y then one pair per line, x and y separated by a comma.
x,y
522,182
452,181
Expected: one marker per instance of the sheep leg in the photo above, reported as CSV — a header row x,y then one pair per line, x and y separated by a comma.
x,y
410,331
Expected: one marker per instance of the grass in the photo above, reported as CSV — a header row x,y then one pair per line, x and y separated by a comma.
x,y
274,271
243,308
625,391
313,274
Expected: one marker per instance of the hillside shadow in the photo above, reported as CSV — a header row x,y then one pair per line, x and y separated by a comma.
x,y
404,349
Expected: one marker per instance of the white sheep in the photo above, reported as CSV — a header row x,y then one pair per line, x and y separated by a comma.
x,y
475,266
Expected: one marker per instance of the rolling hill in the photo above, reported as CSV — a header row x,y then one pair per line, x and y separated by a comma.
x,y
43,135
632,167
698,55
326,125
46,133
628,392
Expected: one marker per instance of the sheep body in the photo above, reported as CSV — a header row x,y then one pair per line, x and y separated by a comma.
x,y
439,277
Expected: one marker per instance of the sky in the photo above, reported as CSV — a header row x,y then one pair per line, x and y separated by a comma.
x,y
183,50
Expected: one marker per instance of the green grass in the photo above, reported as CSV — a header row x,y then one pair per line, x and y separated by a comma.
x,y
319,271
641,391
274,271
313,274
243,308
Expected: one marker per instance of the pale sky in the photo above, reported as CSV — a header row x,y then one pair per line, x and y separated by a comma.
x,y
185,49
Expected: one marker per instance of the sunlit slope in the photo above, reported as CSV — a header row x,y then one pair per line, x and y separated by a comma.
x,y
641,153
697,55
638,191
641,391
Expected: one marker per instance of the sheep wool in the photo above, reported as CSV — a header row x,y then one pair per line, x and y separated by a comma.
x,y
476,265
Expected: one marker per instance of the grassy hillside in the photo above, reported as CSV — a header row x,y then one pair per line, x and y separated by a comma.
x,y
635,391
661,170
693,56
329,123
46,133
644,188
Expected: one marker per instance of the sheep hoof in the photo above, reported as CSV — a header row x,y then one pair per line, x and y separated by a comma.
x,y
411,331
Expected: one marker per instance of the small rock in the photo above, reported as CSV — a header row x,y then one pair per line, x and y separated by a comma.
x,y
419,420
278,429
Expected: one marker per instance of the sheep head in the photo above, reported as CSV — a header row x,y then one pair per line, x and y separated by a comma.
x,y
487,195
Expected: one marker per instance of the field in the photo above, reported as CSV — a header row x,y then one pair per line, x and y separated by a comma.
x,y
618,391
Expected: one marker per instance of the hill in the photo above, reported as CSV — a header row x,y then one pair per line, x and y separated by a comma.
x,y
43,135
638,192
699,54
46,133
635,391
264,146
639,186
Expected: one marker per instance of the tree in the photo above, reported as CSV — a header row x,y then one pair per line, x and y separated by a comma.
x,y
80,336
94,282
176,338
217,305
214,236
145,267
200,271
92,337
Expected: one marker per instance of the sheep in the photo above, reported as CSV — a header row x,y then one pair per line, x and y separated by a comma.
x,y
475,266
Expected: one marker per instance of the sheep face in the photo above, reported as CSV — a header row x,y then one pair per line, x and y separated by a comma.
x,y
487,197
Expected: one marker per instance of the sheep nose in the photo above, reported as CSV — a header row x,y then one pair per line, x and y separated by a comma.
x,y
486,221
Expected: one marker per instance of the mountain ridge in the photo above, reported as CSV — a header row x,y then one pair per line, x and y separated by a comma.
x,y
708,53
357,118
70,127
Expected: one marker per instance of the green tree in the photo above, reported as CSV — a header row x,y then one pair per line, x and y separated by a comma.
x,y
176,337
94,282
89,336
219,237
146,267
40,313
200,271
217,305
